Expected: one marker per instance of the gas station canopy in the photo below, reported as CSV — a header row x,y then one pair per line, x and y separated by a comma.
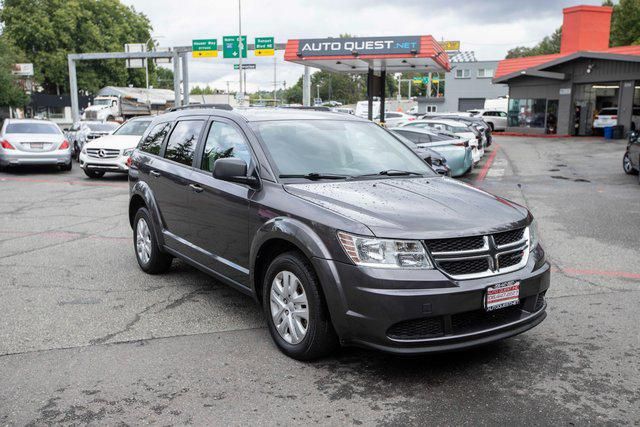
x,y
362,54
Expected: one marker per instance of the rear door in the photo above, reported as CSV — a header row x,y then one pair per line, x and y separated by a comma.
x,y
220,209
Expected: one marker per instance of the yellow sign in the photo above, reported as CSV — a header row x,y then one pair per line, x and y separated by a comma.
x,y
265,52
204,53
450,44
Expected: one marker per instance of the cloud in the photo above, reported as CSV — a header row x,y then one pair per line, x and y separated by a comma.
x,y
489,27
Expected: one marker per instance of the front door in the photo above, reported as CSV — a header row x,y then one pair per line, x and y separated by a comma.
x,y
220,209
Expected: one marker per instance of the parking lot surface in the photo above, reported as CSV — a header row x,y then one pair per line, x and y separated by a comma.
x,y
87,337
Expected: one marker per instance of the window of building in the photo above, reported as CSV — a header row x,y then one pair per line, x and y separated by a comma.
x,y
432,108
462,73
224,141
528,113
153,142
484,73
182,141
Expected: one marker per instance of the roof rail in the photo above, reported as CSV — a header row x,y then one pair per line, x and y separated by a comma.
x,y
193,106
300,107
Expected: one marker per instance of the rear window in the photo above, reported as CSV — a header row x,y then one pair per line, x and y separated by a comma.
x,y
153,142
39,128
609,112
183,140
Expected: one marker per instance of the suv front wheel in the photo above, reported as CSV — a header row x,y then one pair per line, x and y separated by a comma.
x,y
627,166
295,309
150,258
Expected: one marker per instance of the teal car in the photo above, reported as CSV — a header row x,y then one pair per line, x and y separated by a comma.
x,y
456,151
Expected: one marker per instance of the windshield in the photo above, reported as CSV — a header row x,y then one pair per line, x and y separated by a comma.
x,y
343,148
46,128
134,127
102,102
102,127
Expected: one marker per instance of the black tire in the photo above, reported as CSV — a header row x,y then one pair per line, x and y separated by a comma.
x,y
320,339
158,261
627,166
67,167
93,174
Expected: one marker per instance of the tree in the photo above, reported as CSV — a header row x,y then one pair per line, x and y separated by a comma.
x,y
161,78
548,45
48,30
11,95
197,90
625,22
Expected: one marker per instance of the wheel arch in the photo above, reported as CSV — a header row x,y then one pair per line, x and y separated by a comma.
x,y
142,196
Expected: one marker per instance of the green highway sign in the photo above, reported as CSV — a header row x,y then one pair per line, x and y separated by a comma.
x,y
204,48
264,46
230,46
245,66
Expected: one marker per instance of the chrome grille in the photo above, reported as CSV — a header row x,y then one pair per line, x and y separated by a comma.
x,y
481,256
103,153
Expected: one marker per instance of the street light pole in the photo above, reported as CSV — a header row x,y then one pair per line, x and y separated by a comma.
x,y
240,48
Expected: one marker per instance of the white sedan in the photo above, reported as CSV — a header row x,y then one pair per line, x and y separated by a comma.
x,y
459,128
111,153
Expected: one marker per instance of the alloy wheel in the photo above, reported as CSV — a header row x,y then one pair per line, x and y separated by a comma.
x,y
143,241
289,307
626,164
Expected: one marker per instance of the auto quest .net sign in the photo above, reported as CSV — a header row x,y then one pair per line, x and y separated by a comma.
x,y
359,45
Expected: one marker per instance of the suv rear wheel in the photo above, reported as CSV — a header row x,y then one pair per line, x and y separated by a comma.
x,y
627,166
150,258
295,309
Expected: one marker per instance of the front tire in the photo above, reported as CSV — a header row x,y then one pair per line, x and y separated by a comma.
x,y
93,174
295,309
67,167
627,166
150,258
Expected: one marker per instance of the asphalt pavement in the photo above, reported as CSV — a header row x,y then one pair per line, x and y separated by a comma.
x,y
86,337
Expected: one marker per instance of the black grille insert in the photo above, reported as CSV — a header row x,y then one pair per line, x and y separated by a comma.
x,y
508,237
467,266
456,245
539,301
416,329
509,260
478,320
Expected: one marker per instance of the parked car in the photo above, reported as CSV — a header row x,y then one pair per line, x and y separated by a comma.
x,y
344,110
477,122
33,142
459,128
605,118
497,120
631,158
437,162
395,118
456,151
340,231
111,153
87,130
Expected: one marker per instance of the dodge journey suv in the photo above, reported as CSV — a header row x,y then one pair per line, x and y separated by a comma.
x,y
340,231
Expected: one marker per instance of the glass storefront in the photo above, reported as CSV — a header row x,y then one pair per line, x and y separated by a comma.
x,y
527,113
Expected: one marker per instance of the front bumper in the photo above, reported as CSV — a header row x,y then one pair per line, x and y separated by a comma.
x,y
17,157
116,164
423,311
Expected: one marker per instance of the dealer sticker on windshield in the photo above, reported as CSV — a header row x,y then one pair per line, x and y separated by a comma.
x,y
502,295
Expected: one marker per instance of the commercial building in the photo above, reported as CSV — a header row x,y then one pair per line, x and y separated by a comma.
x,y
562,93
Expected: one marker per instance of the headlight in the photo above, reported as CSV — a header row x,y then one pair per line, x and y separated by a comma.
x,y
128,152
84,149
533,235
385,253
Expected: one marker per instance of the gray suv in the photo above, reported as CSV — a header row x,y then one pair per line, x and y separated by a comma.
x,y
341,232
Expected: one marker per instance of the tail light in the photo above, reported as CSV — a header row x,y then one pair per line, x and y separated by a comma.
x,y
6,145
411,119
614,117
129,161
64,145
462,144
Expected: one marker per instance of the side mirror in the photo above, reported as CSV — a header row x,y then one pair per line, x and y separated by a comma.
x,y
233,170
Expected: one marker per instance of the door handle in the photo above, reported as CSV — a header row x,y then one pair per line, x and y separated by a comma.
x,y
196,188
155,173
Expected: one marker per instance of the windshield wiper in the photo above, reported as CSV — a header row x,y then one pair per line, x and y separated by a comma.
x,y
394,172
315,176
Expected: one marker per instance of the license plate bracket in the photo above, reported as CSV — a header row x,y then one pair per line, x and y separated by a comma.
x,y
502,295
37,145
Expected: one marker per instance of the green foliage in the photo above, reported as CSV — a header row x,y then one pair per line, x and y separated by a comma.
x,y
48,30
11,95
161,78
548,45
197,90
625,22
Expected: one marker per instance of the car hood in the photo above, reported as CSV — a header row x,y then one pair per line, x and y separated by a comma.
x,y
415,208
120,142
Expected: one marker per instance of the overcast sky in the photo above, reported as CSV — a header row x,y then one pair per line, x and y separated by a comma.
x,y
488,27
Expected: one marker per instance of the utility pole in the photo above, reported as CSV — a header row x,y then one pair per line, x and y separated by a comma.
x,y
275,101
228,94
306,87
240,48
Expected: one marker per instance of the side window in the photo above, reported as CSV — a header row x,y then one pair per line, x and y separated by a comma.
x,y
182,141
153,142
503,114
224,141
411,136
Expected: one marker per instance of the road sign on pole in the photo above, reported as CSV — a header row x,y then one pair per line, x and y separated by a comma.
x,y
264,46
204,48
245,66
230,47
